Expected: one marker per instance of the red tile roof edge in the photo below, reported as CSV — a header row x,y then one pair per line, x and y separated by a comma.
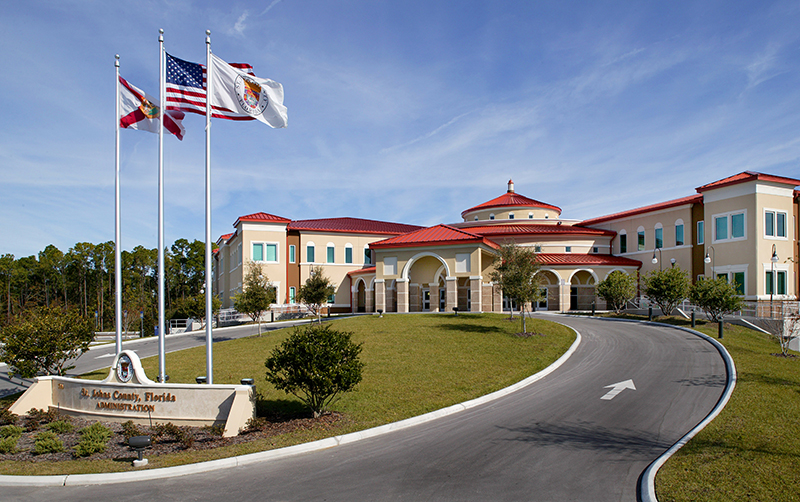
x,y
472,238
261,217
691,199
506,200
493,230
335,225
586,259
365,270
744,177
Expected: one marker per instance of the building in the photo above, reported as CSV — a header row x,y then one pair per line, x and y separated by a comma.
x,y
743,228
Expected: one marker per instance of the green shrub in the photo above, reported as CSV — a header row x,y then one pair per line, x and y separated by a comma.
x,y
36,418
47,442
6,417
60,427
130,429
93,440
169,430
215,430
8,431
9,444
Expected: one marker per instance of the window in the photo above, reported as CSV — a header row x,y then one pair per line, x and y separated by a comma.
x,y
367,256
491,216
462,262
537,249
239,253
530,216
595,249
568,249
258,252
331,253
738,282
265,252
781,282
623,243
348,253
701,232
310,252
640,238
659,237
332,298
775,224
510,216
390,266
292,293
679,234
292,251
729,226
770,282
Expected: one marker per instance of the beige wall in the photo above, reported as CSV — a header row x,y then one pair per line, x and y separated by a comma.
x,y
520,213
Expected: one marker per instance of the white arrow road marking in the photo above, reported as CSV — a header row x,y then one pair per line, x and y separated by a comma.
x,y
616,388
104,355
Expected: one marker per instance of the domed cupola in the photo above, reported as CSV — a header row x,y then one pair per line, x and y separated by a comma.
x,y
511,206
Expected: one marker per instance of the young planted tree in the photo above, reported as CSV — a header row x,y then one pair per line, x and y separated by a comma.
x,y
316,364
257,296
515,270
717,297
667,288
617,289
44,339
315,292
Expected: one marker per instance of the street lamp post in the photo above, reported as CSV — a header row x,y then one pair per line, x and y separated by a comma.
x,y
711,259
657,260
774,260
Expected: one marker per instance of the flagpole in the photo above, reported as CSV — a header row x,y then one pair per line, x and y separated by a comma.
x,y
161,268
209,291
117,252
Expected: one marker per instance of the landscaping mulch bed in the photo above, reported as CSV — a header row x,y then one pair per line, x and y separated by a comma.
x,y
188,438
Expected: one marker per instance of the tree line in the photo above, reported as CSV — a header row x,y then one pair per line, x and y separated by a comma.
x,y
83,279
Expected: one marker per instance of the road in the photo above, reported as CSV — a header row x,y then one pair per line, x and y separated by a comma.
x,y
557,439
101,356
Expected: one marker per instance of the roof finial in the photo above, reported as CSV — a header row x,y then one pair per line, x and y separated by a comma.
x,y
510,186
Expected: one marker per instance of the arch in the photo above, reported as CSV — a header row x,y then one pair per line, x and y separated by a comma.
x,y
615,270
587,270
658,225
550,276
679,221
410,263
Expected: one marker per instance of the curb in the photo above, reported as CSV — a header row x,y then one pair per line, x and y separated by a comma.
x,y
322,444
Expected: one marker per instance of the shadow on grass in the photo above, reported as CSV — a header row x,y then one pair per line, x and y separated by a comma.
x,y
470,328
279,410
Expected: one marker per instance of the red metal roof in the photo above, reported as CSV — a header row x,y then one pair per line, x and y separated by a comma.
x,y
262,217
223,238
353,225
586,259
365,270
692,199
746,176
534,229
511,199
438,235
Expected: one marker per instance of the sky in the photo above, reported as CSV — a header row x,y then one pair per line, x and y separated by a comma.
x,y
407,111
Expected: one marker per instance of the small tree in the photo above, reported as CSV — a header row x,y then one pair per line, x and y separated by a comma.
x,y
194,307
44,339
515,270
783,328
316,364
315,292
667,288
257,296
617,289
717,297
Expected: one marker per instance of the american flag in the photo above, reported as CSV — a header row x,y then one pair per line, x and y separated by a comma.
x,y
186,88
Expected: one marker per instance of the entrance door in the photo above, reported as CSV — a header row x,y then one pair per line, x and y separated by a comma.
x,y
542,305
442,299
426,300
573,298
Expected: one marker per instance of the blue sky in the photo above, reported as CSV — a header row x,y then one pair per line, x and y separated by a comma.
x,y
405,111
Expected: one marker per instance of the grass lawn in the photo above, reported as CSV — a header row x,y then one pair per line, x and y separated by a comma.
x,y
751,451
413,364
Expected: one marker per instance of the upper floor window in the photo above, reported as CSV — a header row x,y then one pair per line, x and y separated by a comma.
x,y
530,216
623,243
701,232
729,226
679,240
491,216
640,239
310,252
331,253
367,256
348,253
292,253
510,216
265,252
775,224
537,249
568,249
659,236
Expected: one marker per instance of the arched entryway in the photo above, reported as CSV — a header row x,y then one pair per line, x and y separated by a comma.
x,y
582,290
425,276
361,297
550,283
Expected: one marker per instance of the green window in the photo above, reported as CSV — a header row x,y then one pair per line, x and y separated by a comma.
x,y
781,283
721,227
701,232
348,255
738,282
331,254
292,293
640,237
623,243
781,224
310,253
292,258
769,283
659,238
769,223
272,252
367,257
737,226
679,235
258,252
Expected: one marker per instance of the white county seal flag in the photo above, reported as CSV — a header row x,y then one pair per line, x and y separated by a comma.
x,y
244,93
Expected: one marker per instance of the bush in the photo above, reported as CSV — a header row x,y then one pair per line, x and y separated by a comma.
x,y
315,364
47,442
10,431
130,429
179,434
60,427
93,440
6,417
36,418
9,444
215,430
